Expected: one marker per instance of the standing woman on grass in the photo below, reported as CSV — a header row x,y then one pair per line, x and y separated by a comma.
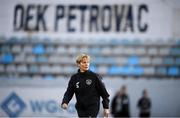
x,y
88,88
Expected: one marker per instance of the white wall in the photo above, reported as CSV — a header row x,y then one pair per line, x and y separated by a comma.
x,y
159,19
163,93
176,22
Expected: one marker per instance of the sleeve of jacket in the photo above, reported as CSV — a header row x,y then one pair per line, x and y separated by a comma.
x,y
69,92
150,104
139,103
103,92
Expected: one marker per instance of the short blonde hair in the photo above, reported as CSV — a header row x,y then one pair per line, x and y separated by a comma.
x,y
80,57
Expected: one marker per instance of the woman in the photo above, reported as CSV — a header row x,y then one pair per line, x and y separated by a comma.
x,y
88,87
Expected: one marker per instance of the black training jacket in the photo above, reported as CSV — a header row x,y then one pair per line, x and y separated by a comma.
x,y
88,87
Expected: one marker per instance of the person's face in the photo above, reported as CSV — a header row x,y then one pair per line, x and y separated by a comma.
x,y
124,90
145,94
84,64
119,92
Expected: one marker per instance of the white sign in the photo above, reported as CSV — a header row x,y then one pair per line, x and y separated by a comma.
x,y
34,102
107,18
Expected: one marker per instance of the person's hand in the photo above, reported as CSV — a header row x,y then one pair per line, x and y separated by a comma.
x,y
64,106
106,113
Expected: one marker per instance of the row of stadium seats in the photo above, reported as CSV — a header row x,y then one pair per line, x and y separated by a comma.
x,y
8,58
90,42
40,49
110,57
105,70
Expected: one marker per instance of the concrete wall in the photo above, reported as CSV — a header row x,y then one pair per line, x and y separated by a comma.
x,y
163,93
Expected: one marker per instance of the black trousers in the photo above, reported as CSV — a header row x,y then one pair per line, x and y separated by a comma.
x,y
147,114
122,114
88,112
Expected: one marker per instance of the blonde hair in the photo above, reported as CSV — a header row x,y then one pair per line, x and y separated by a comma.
x,y
80,57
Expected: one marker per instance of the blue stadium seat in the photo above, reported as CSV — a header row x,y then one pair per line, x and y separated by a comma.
x,y
140,51
39,49
99,42
177,62
161,71
113,70
164,51
5,48
104,60
178,42
50,50
132,70
33,69
115,42
7,58
137,70
95,50
98,60
109,60
41,59
157,61
133,60
124,42
48,77
13,39
173,71
126,70
168,61
145,60
152,51
136,42
175,51
72,50
46,40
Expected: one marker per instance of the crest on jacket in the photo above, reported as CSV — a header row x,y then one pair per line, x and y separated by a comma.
x,y
88,82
